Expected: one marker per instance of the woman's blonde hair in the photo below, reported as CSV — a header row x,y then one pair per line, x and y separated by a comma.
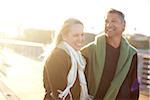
x,y
66,28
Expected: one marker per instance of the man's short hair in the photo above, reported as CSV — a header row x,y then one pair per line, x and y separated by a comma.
x,y
117,12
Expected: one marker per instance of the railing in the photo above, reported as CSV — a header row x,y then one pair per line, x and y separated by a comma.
x,y
7,92
144,71
26,48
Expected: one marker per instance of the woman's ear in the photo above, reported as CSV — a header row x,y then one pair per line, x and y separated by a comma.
x,y
64,37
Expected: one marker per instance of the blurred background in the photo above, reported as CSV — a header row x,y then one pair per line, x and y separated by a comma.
x,y
28,27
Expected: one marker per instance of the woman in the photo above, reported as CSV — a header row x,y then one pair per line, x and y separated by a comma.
x,y
64,68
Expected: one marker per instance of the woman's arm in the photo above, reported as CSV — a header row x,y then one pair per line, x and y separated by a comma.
x,y
57,66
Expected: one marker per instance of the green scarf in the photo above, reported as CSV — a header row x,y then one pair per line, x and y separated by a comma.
x,y
97,51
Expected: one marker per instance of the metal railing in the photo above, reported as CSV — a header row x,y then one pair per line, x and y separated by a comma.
x,y
25,48
7,92
144,71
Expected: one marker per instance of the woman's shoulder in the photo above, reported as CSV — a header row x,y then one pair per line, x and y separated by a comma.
x,y
58,59
58,53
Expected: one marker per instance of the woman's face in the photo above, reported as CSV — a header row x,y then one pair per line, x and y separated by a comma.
x,y
75,36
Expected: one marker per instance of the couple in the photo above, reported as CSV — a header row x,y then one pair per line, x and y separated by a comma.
x,y
104,69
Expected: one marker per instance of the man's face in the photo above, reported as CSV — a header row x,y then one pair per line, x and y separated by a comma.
x,y
114,25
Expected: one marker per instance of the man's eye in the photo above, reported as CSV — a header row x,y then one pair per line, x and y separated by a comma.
x,y
113,21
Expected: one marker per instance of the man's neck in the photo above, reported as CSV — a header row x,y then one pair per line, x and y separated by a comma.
x,y
114,41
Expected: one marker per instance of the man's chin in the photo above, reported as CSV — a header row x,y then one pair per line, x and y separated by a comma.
x,y
108,34
77,48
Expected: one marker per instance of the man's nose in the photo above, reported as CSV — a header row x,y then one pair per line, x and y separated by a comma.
x,y
108,24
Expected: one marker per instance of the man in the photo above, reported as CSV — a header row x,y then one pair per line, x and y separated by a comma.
x,y
112,62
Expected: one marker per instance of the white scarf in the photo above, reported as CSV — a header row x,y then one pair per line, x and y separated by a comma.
x,y
78,65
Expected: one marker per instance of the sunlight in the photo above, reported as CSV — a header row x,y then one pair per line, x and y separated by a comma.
x,y
50,14
22,63
10,30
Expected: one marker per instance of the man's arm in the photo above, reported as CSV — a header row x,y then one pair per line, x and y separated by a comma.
x,y
134,79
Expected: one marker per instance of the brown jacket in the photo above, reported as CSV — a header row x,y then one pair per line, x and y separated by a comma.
x,y
55,74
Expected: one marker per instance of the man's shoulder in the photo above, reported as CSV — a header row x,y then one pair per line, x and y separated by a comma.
x,y
100,36
131,47
92,45
88,48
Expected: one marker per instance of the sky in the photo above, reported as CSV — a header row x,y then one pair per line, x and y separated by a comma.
x,y
50,14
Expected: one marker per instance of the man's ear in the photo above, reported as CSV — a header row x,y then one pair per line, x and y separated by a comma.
x,y
124,25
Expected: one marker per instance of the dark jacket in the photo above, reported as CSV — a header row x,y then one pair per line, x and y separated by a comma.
x,y
129,89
